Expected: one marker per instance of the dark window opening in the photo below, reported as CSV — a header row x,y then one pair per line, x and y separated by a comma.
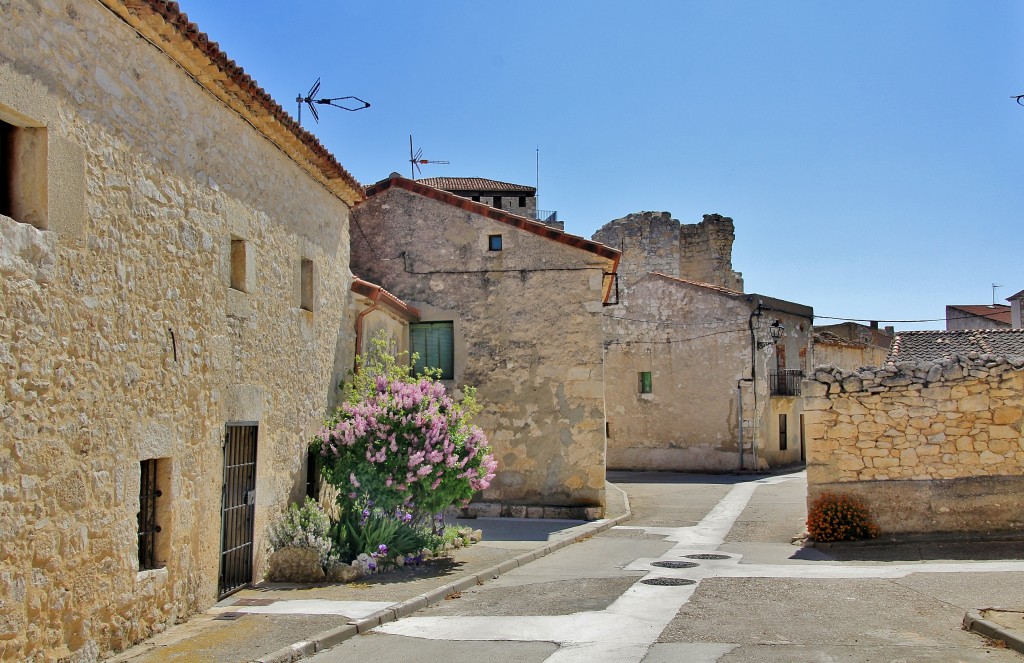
x,y
645,383
476,199
306,286
23,178
148,527
497,202
522,201
494,242
238,265
433,344
783,434
312,477
607,429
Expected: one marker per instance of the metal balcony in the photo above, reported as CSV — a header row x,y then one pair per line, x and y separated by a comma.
x,y
786,382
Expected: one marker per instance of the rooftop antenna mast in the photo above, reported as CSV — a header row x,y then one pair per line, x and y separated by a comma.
x,y
351,104
416,159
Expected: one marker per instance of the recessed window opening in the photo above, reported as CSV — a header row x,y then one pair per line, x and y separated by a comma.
x,y
433,346
494,242
306,295
522,201
239,257
23,179
783,433
476,199
497,202
151,508
646,386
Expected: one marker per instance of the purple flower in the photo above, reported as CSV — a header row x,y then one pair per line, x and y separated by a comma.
x,y
382,549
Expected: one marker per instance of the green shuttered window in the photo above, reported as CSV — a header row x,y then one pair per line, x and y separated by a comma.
x,y
645,382
434,342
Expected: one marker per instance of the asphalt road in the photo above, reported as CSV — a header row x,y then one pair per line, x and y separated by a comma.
x,y
765,598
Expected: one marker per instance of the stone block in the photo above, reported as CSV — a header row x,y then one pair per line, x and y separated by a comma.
x,y
292,564
973,403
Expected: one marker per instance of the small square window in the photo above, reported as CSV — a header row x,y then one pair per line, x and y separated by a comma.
x,y
645,382
522,201
497,202
494,242
476,199
306,295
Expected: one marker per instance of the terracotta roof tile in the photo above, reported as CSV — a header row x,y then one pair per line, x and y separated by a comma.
x,y
474,184
700,284
936,345
372,290
996,312
163,24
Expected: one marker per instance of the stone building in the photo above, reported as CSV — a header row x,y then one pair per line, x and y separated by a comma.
x,y
678,375
693,375
978,316
850,345
174,268
518,199
655,242
512,307
933,441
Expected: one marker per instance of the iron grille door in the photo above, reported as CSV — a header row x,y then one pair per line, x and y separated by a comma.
x,y
238,508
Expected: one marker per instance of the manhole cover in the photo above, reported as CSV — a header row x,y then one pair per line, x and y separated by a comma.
x,y
668,581
709,556
228,616
675,565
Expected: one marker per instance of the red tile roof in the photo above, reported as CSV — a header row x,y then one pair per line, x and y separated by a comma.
x,y
372,290
475,184
700,284
165,26
996,312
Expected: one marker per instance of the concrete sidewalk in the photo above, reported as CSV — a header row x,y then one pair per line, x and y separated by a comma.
x,y
277,622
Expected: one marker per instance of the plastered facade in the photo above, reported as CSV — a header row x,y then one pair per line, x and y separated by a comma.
x,y
931,446
527,335
121,338
695,340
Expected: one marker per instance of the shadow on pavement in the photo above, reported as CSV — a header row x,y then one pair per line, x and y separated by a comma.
x,y
623,476
916,551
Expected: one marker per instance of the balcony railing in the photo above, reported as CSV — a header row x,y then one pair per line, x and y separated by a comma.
x,y
546,216
785,383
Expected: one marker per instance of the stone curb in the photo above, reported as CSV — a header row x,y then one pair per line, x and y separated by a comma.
x,y
973,621
328,639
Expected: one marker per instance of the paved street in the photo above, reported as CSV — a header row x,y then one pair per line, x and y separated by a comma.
x,y
762,599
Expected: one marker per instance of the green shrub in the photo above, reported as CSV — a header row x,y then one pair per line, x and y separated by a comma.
x,y
303,527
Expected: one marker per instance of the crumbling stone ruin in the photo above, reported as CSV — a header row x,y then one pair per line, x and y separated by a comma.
x,y
655,242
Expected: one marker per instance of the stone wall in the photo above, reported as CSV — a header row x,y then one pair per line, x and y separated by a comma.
x,y
932,446
122,340
527,324
655,242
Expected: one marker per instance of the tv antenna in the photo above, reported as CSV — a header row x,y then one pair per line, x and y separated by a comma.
x,y
1019,98
416,159
352,103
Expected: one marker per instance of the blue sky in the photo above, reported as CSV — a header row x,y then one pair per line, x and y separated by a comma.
x,y
869,153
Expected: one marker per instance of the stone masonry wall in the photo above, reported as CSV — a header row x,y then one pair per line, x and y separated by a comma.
x,y
932,446
527,324
655,242
121,339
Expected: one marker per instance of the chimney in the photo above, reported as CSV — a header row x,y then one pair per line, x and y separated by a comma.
x,y
874,324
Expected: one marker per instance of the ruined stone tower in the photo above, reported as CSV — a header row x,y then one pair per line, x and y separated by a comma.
x,y
655,242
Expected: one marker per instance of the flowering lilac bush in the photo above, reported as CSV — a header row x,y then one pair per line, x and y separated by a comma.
x,y
407,446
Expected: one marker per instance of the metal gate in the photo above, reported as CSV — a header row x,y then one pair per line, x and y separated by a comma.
x,y
238,497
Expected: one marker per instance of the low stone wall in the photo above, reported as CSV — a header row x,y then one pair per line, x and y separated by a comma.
x,y
931,446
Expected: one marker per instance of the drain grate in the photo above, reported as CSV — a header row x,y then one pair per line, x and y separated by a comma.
x,y
709,556
228,616
675,565
668,581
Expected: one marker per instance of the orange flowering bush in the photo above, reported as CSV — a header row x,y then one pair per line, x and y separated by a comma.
x,y
838,517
